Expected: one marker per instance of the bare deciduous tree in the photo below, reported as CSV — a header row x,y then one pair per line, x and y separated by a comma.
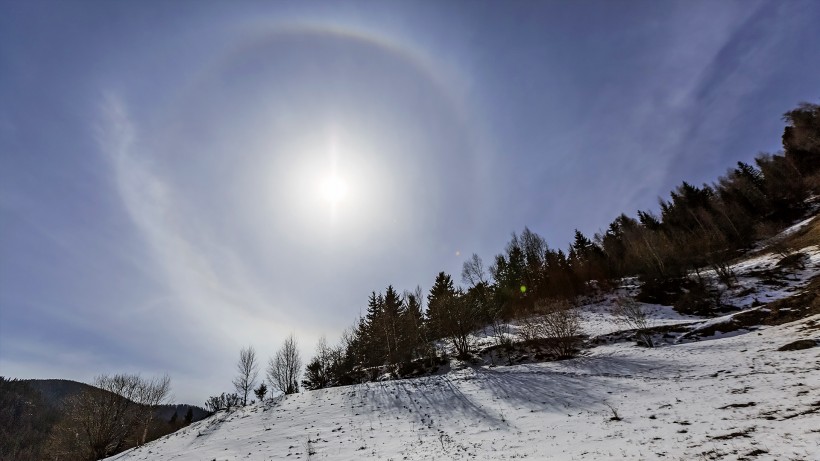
x,y
501,333
150,394
101,421
458,319
248,370
473,272
285,367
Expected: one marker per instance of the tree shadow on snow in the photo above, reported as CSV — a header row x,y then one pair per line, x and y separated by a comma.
x,y
619,366
425,400
578,383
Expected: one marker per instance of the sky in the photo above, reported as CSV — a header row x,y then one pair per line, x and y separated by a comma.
x,y
182,179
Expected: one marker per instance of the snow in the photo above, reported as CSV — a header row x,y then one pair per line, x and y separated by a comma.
x,y
796,227
675,402
732,397
597,319
814,208
751,274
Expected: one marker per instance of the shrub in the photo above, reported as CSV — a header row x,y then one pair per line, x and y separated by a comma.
x,y
793,262
632,314
699,299
223,402
664,291
556,325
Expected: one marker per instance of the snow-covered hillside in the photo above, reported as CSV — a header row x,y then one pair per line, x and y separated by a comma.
x,y
727,398
724,396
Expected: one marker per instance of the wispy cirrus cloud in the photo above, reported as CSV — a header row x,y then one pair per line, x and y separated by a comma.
x,y
208,283
206,276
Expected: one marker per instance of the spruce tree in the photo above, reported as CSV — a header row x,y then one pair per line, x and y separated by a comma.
x,y
261,391
413,326
392,312
371,331
441,291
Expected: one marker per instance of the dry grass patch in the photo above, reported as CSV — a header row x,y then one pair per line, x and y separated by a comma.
x,y
805,237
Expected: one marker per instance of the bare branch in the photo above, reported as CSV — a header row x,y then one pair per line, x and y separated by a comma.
x,y
473,272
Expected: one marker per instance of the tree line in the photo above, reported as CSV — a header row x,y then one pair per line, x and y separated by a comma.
x,y
697,227
705,226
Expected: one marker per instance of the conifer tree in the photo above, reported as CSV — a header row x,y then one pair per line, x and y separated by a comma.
x,y
414,337
261,391
441,292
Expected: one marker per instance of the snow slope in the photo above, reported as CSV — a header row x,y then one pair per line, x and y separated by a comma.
x,y
727,396
732,398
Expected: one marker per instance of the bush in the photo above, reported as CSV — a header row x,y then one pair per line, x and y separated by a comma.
x,y
223,402
633,315
793,262
699,299
665,291
556,325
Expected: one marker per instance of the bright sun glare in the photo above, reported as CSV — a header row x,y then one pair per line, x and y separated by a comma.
x,y
333,189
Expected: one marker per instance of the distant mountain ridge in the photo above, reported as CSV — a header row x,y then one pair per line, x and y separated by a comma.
x,y
56,391
30,409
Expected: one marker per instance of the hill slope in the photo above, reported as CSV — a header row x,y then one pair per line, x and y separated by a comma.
x,y
721,388
728,398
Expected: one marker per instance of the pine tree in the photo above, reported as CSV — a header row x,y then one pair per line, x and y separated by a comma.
x,y
315,376
371,332
414,339
440,293
261,391
393,312
534,249
751,174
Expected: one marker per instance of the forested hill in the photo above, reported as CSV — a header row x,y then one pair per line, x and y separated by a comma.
x,y
31,409
56,391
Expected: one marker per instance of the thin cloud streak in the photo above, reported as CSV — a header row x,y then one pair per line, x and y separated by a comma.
x,y
207,281
191,273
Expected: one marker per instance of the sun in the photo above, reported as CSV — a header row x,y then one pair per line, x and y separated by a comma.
x,y
333,189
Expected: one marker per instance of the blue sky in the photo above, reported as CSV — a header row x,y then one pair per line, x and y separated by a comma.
x,y
161,163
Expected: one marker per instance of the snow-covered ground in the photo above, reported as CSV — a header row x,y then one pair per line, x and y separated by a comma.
x,y
752,275
723,399
731,396
597,319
